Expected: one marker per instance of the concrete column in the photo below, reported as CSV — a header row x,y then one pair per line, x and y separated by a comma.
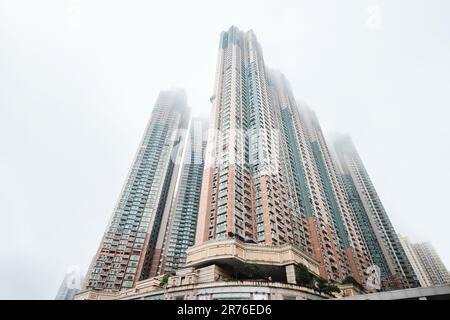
x,y
290,274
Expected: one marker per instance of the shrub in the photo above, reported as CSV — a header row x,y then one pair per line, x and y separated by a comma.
x,y
351,280
306,279
303,277
164,280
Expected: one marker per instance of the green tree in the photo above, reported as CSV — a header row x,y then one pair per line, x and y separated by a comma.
x,y
351,280
303,277
252,271
323,286
164,280
306,279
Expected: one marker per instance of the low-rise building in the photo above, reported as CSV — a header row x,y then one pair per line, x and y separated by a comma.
x,y
228,269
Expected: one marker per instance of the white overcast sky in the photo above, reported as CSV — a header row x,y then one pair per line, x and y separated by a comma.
x,y
78,80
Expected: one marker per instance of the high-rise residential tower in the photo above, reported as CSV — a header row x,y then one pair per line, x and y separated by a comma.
x,y
268,176
435,270
349,235
177,231
318,191
128,245
416,264
243,194
383,243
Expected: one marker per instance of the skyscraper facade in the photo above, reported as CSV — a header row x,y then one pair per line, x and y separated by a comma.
x,y
128,245
269,177
242,191
177,231
416,263
333,233
355,256
384,245
435,270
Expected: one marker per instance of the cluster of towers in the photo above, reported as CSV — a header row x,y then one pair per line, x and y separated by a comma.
x,y
261,171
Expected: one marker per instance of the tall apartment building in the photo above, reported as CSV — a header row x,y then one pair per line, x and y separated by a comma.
x,y
383,243
177,231
435,270
356,258
416,264
128,245
318,191
268,174
243,192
